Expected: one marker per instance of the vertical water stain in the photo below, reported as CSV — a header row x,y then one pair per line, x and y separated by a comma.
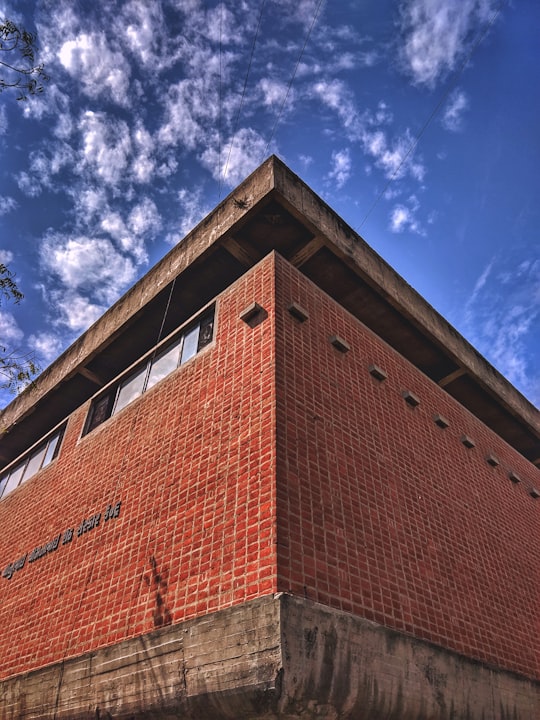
x,y
161,614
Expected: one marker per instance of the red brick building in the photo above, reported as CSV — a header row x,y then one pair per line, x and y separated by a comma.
x,y
271,481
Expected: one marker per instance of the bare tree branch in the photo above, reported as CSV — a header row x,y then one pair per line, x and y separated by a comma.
x,y
16,370
21,72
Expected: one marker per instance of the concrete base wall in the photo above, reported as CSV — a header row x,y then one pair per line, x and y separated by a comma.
x,y
275,657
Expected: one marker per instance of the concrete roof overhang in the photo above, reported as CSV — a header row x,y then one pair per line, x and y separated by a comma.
x,y
271,210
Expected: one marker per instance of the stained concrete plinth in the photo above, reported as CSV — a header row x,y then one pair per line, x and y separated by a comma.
x,y
275,657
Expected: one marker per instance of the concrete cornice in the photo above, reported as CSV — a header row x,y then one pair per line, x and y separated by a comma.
x,y
273,182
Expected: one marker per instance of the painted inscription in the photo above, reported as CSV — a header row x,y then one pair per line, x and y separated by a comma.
x,y
63,538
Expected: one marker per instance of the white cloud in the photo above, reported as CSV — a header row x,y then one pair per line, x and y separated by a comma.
x,y
90,202
6,256
88,264
65,125
54,104
502,317
63,22
369,58
9,330
337,96
302,11
381,116
28,184
144,222
240,156
191,106
141,24
306,160
403,217
400,218
144,218
99,70
192,210
46,345
113,224
218,25
7,204
274,92
43,166
341,167
143,164
453,113
393,157
75,311
106,146
3,120
483,278
436,34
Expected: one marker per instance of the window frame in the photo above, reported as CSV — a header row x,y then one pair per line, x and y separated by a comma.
x,y
108,396
22,462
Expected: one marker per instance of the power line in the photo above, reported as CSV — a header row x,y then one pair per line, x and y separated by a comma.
x,y
220,97
222,177
119,479
451,86
292,78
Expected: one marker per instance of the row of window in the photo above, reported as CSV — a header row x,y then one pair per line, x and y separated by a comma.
x,y
175,353
151,371
34,461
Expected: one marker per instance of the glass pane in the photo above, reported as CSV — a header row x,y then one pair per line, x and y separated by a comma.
x,y
3,483
101,410
207,329
34,463
14,478
130,389
164,364
51,448
190,344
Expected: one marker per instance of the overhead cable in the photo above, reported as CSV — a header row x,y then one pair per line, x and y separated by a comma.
x,y
223,176
292,78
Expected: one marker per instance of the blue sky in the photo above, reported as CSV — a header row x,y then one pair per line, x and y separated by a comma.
x,y
416,120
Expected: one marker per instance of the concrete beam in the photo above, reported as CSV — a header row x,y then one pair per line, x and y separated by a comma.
x,y
305,205
449,379
307,251
227,214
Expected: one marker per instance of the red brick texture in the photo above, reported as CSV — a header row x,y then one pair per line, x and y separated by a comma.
x,y
274,462
192,462
384,514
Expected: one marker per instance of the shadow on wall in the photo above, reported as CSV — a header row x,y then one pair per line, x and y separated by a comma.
x,y
157,584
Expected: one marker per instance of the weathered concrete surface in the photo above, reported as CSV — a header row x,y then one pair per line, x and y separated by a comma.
x,y
223,665
274,182
203,236
340,666
302,202
275,657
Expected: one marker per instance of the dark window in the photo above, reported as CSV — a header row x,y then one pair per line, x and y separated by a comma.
x,y
101,409
206,331
179,350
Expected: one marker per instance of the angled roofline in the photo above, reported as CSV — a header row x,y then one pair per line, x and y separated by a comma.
x,y
274,181
224,216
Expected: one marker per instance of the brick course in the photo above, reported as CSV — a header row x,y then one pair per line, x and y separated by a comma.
x,y
274,462
383,513
192,463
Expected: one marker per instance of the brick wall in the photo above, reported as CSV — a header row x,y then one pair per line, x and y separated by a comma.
x,y
380,512
192,464
383,513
